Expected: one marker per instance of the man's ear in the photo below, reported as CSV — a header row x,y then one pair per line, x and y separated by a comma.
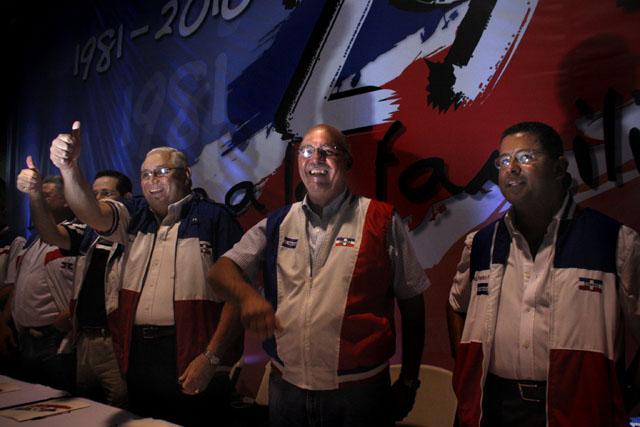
x,y
561,166
348,161
187,173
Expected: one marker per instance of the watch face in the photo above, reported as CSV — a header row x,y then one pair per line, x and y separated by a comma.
x,y
213,359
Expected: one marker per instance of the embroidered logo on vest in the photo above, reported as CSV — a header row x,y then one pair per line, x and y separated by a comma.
x,y
345,241
591,285
289,243
483,289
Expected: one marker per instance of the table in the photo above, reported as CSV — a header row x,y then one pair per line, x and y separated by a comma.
x,y
97,414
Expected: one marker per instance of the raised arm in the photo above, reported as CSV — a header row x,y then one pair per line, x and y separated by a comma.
x,y
65,154
30,181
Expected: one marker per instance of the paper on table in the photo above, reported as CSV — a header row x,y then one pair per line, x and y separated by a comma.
x,y
43,409
7,387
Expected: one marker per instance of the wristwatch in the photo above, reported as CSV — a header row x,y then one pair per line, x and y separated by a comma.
x,y
413,384
212,358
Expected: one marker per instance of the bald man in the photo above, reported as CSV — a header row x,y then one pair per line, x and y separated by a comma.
x,y
334,265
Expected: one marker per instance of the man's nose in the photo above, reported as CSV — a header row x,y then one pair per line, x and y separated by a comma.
x,y
319,154
514,167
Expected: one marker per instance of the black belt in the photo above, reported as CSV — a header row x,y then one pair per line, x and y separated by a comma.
x,y
527,390
95,331
149,332
42,331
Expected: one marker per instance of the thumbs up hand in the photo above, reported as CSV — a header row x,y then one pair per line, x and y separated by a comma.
x,y
29,179
65,148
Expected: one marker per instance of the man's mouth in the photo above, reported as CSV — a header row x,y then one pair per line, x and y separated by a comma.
x,y
317,171
514,182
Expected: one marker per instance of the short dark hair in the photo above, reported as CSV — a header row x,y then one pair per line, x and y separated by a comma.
x,y
123,186
547,136
55,179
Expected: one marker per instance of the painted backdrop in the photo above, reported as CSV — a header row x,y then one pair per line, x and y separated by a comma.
x,y
423,89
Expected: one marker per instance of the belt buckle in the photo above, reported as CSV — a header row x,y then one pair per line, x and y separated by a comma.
x,y
35,333
524,390
148,332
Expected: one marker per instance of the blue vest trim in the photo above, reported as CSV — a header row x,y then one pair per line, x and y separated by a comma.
x,y
589,241
270,270
200,218
481,250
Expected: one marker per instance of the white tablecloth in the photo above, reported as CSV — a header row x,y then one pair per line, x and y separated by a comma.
x,y
97,414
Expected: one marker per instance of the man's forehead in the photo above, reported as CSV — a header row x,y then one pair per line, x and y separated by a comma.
x,y
106,181
154,160
520,140
49,187
317,137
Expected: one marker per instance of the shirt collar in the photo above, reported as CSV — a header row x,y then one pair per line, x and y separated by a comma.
x,y
174,210
565,211
329,210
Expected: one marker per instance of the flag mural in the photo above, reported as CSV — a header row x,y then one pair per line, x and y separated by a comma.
x,y
422,88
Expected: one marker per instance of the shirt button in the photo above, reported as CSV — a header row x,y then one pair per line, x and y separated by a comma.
x,y
526,344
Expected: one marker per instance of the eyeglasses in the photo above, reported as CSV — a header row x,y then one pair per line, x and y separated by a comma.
x,y
523,157
157,172
307,150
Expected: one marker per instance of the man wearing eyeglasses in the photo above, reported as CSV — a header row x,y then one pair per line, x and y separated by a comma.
x,y
538,299
333,266
95,285
176,341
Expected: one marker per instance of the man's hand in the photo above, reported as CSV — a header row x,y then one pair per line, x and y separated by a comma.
x,y
63,321
404,397
257,316
29,180
197,376
65,149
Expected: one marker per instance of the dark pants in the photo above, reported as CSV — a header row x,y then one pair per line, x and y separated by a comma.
x,y
154,390
363,405
40,361
508,403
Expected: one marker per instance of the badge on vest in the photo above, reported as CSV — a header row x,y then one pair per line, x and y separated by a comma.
x,y
591,285
345,241
483,289
290,243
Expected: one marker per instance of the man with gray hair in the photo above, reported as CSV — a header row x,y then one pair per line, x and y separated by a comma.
x,y
176,340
